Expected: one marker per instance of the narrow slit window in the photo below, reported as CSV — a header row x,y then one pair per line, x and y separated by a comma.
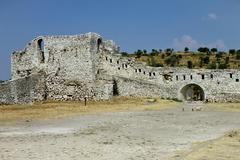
x,y
99,42
203,76
40,43
177,78
184,77
191,77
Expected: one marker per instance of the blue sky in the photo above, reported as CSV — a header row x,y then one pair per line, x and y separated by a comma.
x,y
132,24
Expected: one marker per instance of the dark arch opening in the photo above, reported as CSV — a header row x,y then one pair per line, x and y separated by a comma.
x,y
99,42
192,92
115,88
40,43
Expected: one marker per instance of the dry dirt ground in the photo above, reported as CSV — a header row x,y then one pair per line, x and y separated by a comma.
x,y
121,130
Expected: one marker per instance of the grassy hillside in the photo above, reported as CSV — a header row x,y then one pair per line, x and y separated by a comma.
x,y
209,60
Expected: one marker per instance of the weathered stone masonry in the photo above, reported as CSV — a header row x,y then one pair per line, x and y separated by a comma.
x,y
74,67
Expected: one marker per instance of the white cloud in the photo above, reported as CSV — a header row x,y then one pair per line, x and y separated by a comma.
x,y
185,41
188,41
212,16
217,44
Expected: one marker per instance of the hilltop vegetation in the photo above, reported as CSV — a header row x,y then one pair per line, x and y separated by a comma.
x,y
203,58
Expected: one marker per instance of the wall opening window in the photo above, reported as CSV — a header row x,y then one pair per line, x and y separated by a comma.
x,y
115,88
191,77
184,77
211,76
139,70
150,74
203,76
154,74
106,58
110,60
40,44
177,78
99,42
237,80
230,75
117,62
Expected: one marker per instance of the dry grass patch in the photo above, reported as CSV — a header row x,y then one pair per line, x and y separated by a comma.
x,y
52,110
224,148
234,107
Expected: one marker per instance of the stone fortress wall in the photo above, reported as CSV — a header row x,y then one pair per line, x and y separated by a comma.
x,y
79,66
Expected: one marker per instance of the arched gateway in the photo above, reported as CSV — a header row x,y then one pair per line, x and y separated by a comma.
x,y
192,92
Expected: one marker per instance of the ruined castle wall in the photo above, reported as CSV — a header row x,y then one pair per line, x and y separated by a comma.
x,y
86,66
218,85
134,88
69,62
29,60
23,90
70,56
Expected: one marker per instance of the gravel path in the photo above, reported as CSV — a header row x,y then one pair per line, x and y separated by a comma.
x,y
150,135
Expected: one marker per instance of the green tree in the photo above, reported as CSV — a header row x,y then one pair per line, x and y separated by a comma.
x,y
203,49
154,63
179,56
154,52
227,60
169,51
163,56
206,60
139,53
125,54
214,50
186,49
144,52
172,61
223,66
238,55
232,51
212,66
219,55
189,64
